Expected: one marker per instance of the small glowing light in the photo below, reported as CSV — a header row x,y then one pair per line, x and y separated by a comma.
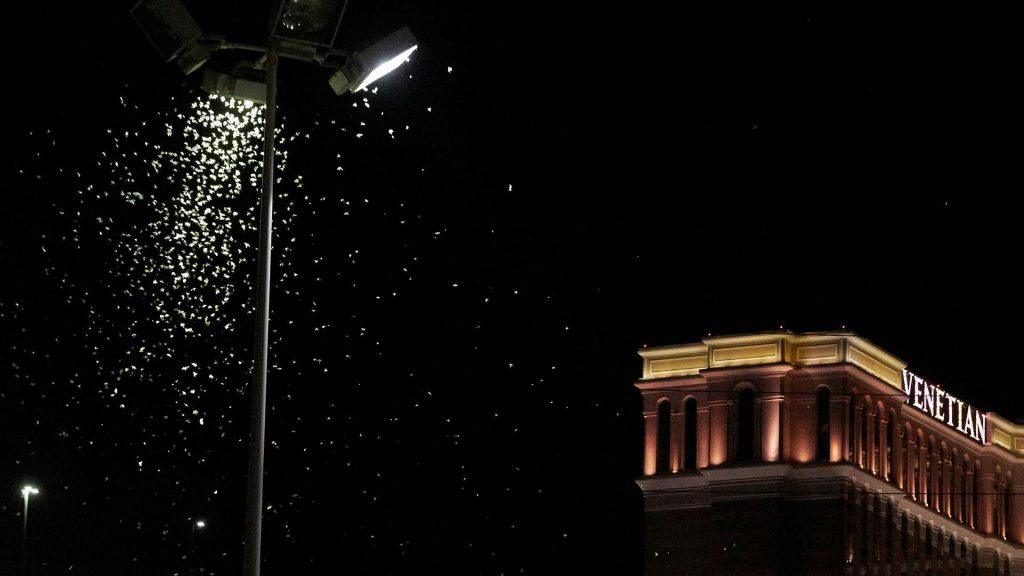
x,y
386,67
29,490
200,524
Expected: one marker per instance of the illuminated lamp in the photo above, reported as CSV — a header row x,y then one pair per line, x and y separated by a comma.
x,y
370,64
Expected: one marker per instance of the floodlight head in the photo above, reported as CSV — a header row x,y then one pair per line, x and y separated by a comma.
x,y
29,490
200,524
168,25
242,84
193,58
370,64
312,22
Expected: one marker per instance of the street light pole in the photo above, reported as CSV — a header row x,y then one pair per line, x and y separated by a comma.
x,y
192,547
257,434
301,30
24,526
25,492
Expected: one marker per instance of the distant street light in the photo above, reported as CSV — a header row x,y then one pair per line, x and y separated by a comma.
x,y
197,525
26,491
301,30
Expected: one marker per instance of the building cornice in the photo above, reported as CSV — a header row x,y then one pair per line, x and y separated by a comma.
x,y
680,366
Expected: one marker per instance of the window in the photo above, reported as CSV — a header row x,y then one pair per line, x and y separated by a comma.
x,y
690,450
824,421
664,437
745,426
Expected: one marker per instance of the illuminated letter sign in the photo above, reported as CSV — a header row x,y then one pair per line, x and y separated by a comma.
x,y
944,407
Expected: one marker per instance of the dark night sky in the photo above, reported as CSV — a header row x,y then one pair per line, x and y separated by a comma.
x,y
453,359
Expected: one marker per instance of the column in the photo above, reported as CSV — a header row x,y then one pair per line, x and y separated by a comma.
x,y
923,475
947,485
911,480
771,423
936,493
650,442
897,534
986,490
897,459
703,435
858,544
858,410
958,488
969,491
719,426
1015,529
883,460
871,465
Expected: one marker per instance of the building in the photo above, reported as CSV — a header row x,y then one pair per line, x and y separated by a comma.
x,y
820,453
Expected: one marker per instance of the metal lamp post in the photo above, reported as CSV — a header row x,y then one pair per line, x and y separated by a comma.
x,y
26,491
302,30
197,525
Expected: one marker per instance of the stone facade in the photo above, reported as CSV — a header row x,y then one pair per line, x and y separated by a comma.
x,y
784,453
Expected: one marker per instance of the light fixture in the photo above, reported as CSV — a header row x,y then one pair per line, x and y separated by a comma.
x,y
312,22
172,31
200,524
242,84
27,491
366,66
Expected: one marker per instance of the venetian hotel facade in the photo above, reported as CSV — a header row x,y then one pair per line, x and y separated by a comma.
x,y
820,453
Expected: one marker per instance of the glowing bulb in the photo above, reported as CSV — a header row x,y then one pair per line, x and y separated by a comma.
x,y
29,490
200,524
386,67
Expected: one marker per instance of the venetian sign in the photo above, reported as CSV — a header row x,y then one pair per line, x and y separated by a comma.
x,y
944,407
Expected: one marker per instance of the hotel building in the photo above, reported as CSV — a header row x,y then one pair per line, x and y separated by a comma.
x,y
820,453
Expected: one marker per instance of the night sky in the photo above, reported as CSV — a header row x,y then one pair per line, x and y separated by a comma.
x,y
466,260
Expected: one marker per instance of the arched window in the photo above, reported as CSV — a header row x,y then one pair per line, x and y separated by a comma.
x,y
690,449
662,461
824,423
745,426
